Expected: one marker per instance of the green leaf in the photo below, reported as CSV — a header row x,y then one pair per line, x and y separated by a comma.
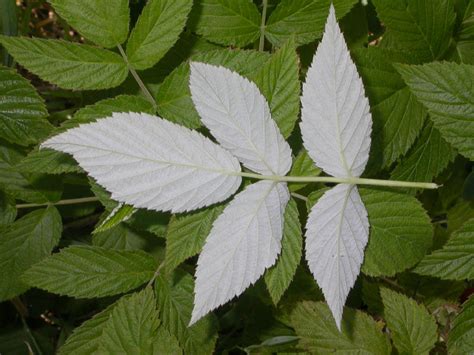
x,y
88,272
94,335
318,334
174,294
279,276
68,65
22,110
24,243
413,329
455,261
119,214
397,116
447,91
87,338
461,337
278,80
33,188
7,209
400,232
48,161
464,48
303,165
420,28
302,19
103,22
174,97
187,234
122,237
132,326
156,30
105,108
227,22
430,155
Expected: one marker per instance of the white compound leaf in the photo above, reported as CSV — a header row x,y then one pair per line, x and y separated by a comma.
x,y
238,116
337,232
335,118
244,241
149,162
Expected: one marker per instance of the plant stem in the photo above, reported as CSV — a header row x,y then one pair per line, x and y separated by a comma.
x,y
335,180
58,203
261,44
137,78
300,197
155,275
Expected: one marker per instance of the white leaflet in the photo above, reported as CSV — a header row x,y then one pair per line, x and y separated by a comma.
x,y
337,232
239,118
244,241
335,118
149,162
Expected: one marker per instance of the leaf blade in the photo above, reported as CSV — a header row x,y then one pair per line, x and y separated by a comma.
x,y
68,65
335,118
238,116
89,272
237,236
337,232
139,174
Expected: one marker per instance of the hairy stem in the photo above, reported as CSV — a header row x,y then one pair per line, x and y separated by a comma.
x,y
261,44
155,275
335,180
137,78
58,203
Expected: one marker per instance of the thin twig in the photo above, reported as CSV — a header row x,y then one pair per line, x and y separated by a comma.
x,y
72,201
137,78
300,197
261,44
155,275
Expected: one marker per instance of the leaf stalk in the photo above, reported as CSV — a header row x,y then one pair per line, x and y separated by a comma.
x,y
137,78
261,44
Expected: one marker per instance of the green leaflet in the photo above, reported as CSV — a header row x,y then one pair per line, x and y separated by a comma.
x,y
447,91
413,329
400,232
279,83
24,243
174,294
318,334
227,22
120,213
22,110
68,65
134,318
187,234
122,237
48,161
461,337
86,338
7,209
279,276
104,22
429,156
105,108
421,29
302,19
156,30
87,272
303,165
132,326
455,261
397,116
174,97
464,47
33,188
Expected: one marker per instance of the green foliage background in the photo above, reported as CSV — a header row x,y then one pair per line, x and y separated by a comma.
x,y
81,274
